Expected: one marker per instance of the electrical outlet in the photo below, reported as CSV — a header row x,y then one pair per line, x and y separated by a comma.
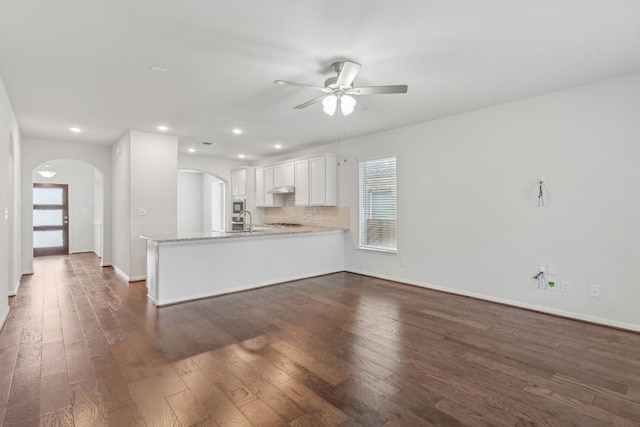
x,y
595,291
565,286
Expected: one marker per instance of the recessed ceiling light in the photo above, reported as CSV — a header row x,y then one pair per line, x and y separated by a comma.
x,y
237,131
277,146
75,130
241,156
191,150
163,128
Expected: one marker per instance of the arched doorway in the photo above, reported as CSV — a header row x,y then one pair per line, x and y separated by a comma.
x,y
201,202
80,215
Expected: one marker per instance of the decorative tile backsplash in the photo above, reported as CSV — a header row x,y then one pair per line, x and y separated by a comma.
x,y
319,216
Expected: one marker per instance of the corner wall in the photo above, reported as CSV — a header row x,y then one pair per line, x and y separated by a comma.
x,y
10,198
467,202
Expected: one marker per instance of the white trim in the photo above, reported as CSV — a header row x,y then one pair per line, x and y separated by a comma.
x,y
125,277
513,303
16,288
4,316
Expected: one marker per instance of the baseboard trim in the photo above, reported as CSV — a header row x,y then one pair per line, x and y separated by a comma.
x,y
125,277
512,303
4,316
16,287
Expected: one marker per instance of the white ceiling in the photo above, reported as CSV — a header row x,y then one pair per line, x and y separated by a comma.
x,y
87,63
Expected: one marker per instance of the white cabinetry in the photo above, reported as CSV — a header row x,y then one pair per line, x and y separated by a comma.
x,y
268,185
301,173
284,175
264,183
315,180
260,187
239,182
317,186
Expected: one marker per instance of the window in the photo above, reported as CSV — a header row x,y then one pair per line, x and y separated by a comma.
x,y
378,229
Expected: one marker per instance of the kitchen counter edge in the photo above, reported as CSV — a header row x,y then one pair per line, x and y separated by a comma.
x,y
217,235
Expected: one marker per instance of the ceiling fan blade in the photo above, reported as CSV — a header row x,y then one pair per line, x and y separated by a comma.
x,y
285,83
378,90
309,103
348,73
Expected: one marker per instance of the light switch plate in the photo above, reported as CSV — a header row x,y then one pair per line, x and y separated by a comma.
x,y
142,211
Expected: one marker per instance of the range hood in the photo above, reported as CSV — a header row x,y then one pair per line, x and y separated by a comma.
x,y
284,189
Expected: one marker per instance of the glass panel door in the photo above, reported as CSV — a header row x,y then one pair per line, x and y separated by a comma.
x,y
50,219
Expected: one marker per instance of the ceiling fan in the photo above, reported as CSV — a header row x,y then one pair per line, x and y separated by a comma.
x,y
339,91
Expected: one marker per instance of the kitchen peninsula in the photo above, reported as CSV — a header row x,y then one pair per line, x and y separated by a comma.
x,y
187,267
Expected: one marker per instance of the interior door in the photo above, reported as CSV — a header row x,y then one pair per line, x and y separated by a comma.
x,y
50,219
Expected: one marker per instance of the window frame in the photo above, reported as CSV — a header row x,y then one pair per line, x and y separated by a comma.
x,y
368,200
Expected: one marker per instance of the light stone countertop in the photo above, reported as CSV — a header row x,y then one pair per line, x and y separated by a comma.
x,y
261,231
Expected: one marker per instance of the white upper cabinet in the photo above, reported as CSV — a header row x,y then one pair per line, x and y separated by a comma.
x,y
284,175
260,190
301,173
268,185
288,174
239,182
323,182
315,180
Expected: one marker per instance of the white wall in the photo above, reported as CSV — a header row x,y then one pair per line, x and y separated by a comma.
x,y
214,192
38,152
190,202
10,197
467,207
98,211
121,164
79,176
154,159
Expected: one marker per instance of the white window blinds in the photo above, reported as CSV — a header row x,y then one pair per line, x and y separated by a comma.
x,y
378,225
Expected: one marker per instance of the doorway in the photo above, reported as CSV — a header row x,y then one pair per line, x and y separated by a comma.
x,y
50,219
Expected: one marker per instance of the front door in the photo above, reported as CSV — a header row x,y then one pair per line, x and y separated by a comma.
x,y
50,219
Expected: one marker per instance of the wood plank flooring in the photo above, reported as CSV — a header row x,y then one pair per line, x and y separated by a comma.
x,y
83,348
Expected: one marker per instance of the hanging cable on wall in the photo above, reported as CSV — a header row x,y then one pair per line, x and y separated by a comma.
x,y
540,194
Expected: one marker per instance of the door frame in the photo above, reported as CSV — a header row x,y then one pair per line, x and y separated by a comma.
x,y
64,249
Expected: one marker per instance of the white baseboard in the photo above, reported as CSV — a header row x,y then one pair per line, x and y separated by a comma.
x,y
5,314
519,304
125,277
16,287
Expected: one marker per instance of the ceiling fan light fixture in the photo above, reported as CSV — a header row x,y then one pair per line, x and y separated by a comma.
x,y
329,104
347,104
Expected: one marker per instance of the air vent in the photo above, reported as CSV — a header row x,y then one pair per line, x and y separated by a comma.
x,y
207,143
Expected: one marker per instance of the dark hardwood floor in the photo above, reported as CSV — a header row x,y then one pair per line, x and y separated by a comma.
x,y
83,348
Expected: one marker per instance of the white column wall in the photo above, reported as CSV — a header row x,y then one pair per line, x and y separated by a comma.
x,y
121,164
153,168
10,198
